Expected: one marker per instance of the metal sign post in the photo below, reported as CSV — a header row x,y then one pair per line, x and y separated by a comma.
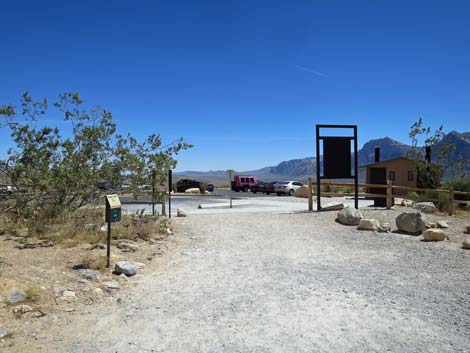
x,y
170,182
113,214
230,178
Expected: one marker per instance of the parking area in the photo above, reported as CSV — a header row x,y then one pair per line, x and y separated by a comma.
x,y
219,202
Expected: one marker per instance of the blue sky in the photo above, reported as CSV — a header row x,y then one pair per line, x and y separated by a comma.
x,y
245,81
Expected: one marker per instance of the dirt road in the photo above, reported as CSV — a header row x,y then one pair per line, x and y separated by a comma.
x,y
284,283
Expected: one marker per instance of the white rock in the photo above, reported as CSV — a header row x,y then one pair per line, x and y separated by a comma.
x,y
434,235
126,267
3,333
442,224
411,222
384,227
98,291
426,207
89,274
349,216
368,224
22,309
68,293
111,285
332,206
180,212
139,265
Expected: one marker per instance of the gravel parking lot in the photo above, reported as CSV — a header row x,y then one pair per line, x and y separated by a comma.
x,y
287,283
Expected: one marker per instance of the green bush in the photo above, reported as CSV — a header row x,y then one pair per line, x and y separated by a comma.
x,y
459,185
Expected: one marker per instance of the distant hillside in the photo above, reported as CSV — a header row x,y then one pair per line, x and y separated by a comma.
x,y
305,167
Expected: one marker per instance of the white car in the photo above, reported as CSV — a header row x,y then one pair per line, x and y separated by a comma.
x,y
287,187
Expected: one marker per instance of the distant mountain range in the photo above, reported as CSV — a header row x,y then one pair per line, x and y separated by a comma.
x,y
302,168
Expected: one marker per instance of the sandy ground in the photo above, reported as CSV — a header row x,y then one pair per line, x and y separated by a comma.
x,y
269,282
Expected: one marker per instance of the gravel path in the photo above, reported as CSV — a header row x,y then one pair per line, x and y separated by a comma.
x,y
286,283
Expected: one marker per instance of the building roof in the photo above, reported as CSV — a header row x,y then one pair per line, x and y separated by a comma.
x,y
388,160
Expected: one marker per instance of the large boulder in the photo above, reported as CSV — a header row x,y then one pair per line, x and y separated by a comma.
x,y
126,267
368,224
434,235
302,192
411,223
349,216
426,207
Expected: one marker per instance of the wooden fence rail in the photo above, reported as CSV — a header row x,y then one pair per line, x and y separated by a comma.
x,y
389,192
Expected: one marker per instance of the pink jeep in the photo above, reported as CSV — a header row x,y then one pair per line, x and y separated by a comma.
x,y
244,182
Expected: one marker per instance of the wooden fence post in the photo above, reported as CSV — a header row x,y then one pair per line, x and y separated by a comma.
x,y
310,194
451,200
389,194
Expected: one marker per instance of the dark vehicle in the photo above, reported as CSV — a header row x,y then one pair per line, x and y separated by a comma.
x,y
258,187
103,185
184,184
269,187
210,187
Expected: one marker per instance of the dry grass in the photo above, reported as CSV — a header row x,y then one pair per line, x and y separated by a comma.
x,y
94,262
32,294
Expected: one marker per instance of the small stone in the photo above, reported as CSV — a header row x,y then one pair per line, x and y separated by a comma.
x,y
69,310
442,224
89,274
104,228
16,296
168,231
3,333
111,285
126,267
384,227
199,206
123,277
466,244
68,294
349,216
22,309
98,291
426,207
59,290
368,224
180,212
431,225
434,235
139,265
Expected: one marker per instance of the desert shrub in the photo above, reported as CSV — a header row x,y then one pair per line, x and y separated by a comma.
x,y
460,185
32,294
428,175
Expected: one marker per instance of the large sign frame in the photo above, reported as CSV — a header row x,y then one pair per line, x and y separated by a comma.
x,y
337,161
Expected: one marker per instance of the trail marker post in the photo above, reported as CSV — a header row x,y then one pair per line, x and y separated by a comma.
x,y
112,214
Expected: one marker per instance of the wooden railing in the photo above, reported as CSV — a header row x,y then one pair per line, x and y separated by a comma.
x,y
388,195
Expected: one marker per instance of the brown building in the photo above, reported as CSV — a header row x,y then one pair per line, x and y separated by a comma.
x,y
401,171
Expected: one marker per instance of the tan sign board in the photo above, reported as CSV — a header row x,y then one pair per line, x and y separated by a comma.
x,y
113,201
